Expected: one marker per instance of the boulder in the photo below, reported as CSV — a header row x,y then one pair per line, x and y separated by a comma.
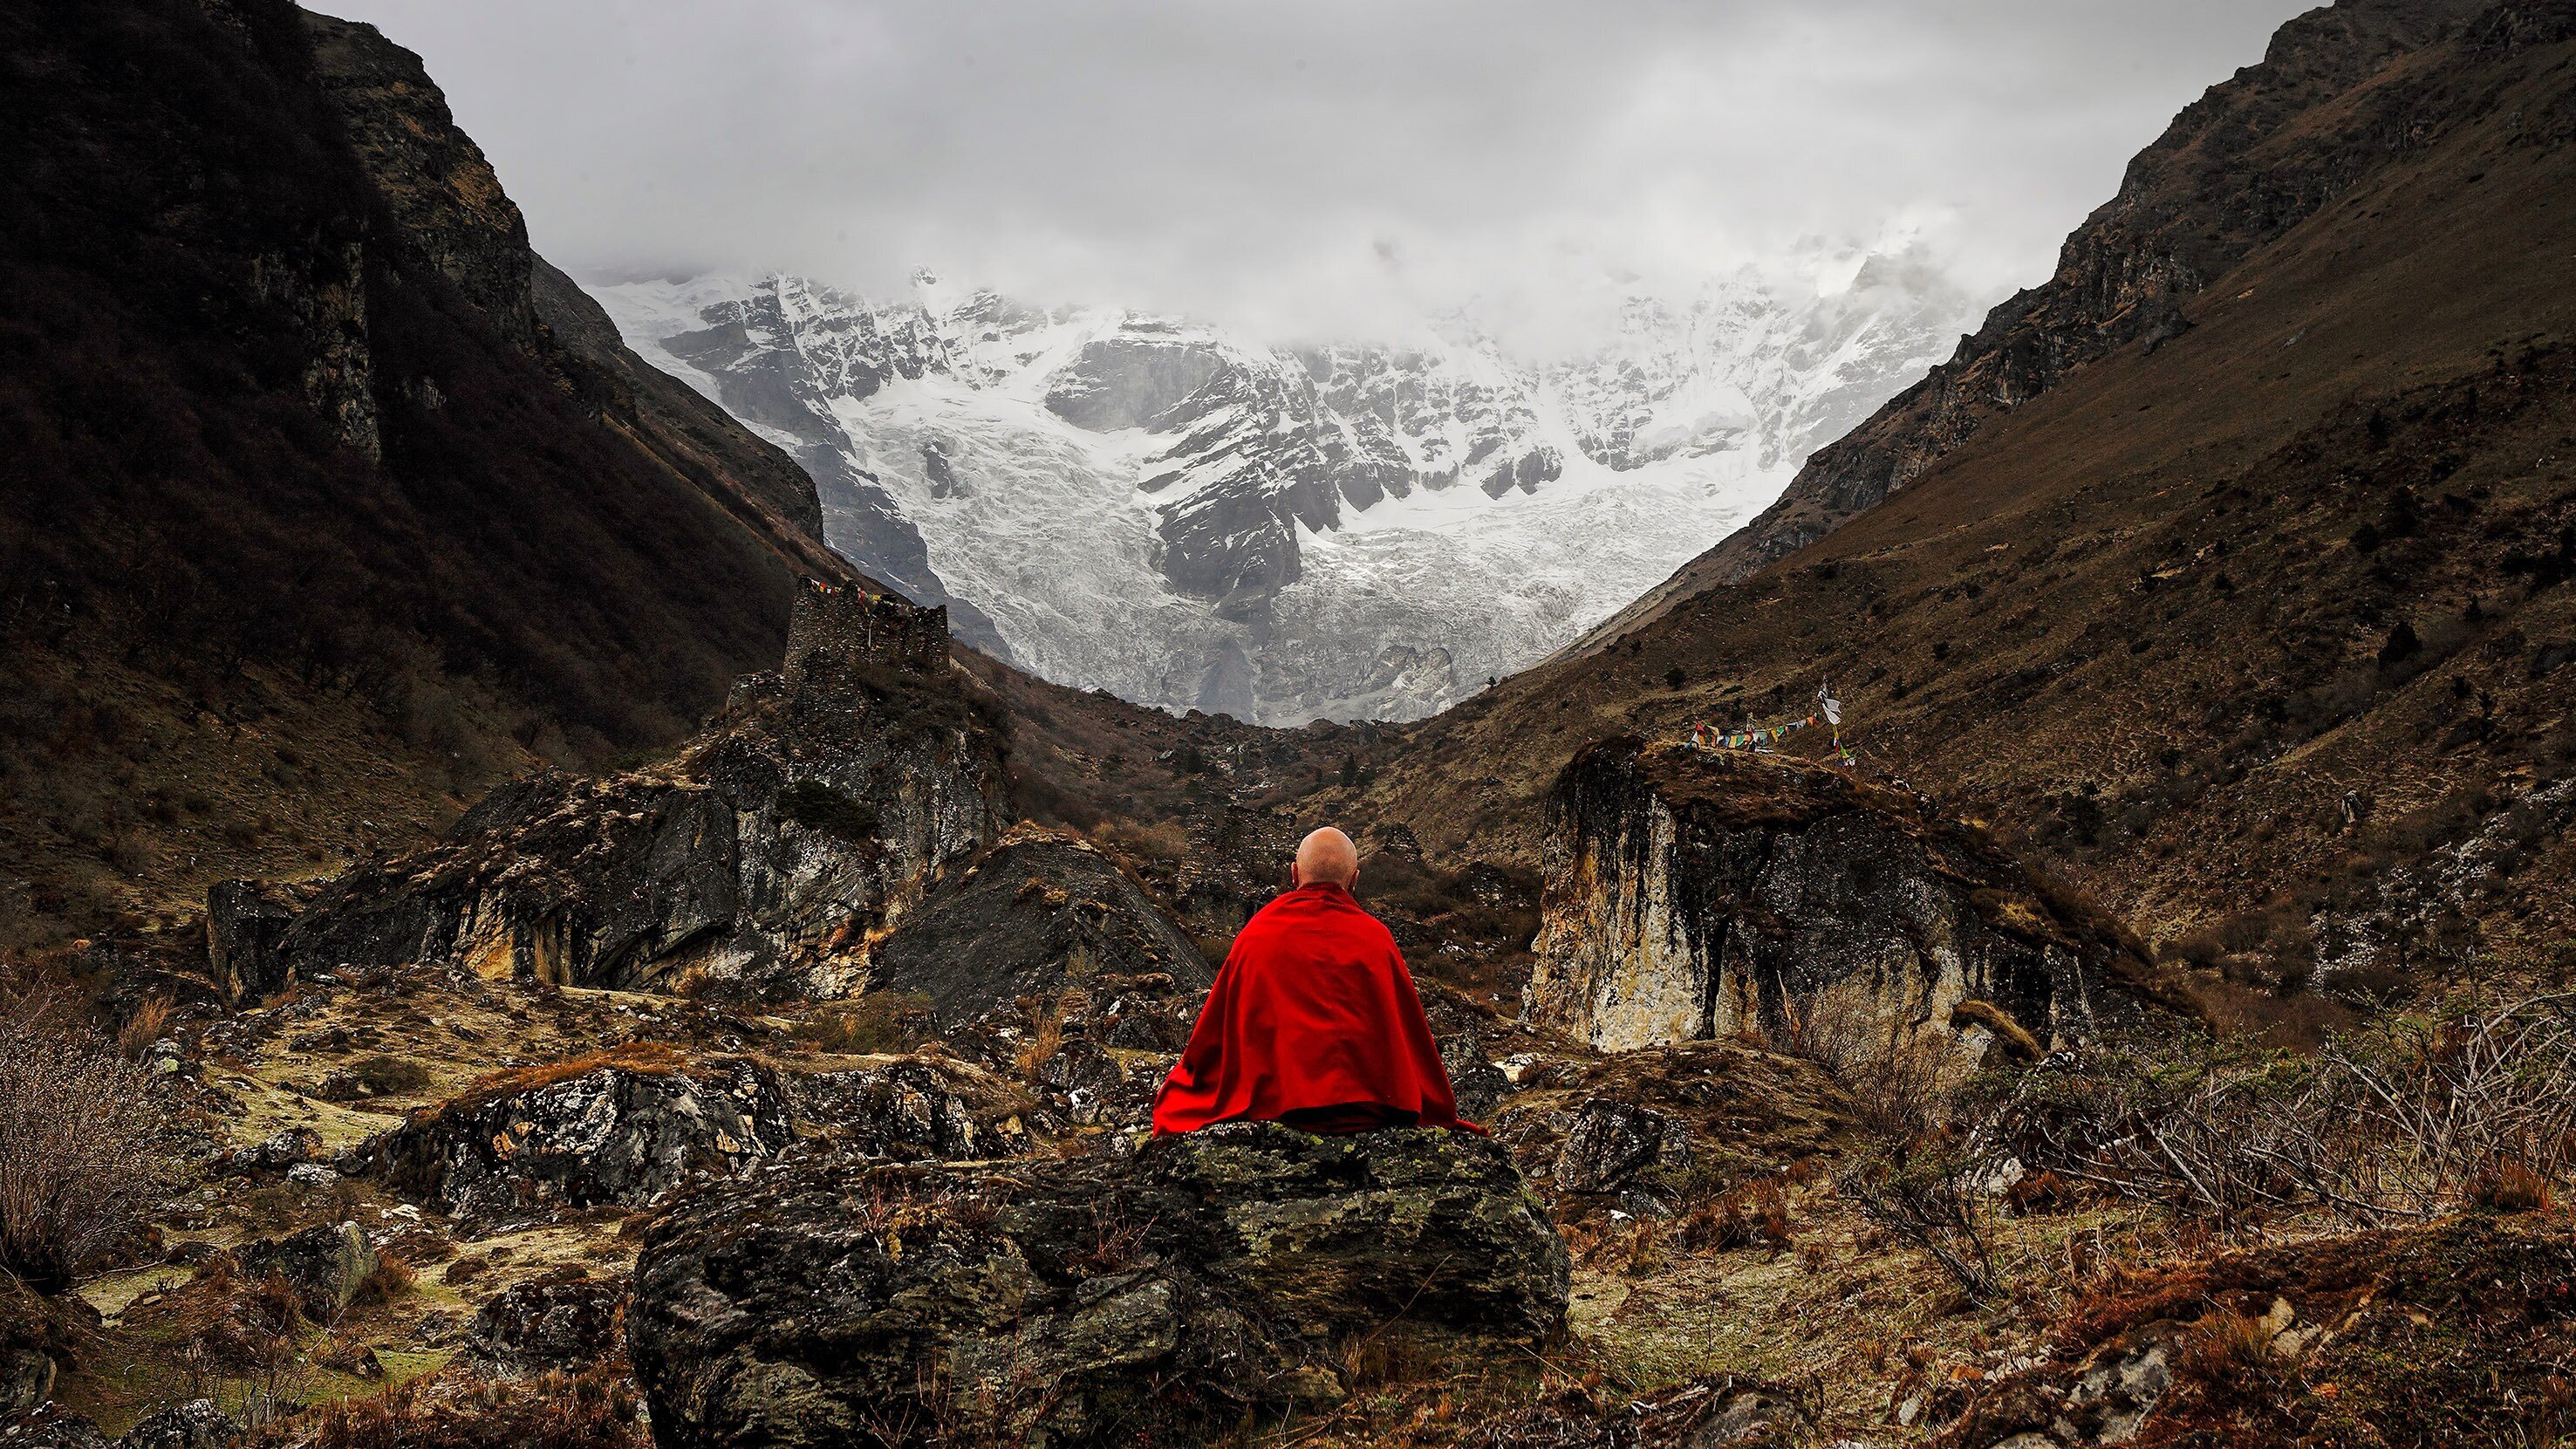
x,y
325,1264
196,1424
1690,895
913,1108
246,921
621,1130
1611,1143
26,1378
548,1323
1043,914
1087,1300
1479,1084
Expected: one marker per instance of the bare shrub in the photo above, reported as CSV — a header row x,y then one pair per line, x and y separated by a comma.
x,y
81,1153
2411,1118
1918,1174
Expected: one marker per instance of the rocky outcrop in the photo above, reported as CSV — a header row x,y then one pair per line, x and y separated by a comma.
x,y
761,862
623,1131
1691,895
1093,1300
1042,914
324,1264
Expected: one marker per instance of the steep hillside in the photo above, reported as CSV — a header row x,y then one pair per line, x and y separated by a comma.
x,y
309,528
2255,623
2239,167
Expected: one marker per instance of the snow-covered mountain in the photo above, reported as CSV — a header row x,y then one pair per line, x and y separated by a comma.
x,y
1193,520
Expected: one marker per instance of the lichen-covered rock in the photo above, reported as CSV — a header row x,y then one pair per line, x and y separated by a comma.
x,y
1134,1299
325,1264
196,1424
550,1323
1041,914
912,1108
1612,1142
763,861
1693,895
54,1427
623,1132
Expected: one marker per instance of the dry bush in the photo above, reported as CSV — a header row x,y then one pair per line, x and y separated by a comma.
x,y
1753,1215
385,1075
1164,844
1045,1037
393,1278
1918,1175
2412,1118
82,1160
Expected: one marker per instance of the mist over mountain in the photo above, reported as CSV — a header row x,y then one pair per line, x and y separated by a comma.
x,y
1194,520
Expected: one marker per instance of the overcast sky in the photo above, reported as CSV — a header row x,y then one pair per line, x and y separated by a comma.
x,y
1311,166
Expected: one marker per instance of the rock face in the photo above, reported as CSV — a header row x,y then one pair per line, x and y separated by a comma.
x,y
1690,895
623,1133
1043,913
757,863
1091,1301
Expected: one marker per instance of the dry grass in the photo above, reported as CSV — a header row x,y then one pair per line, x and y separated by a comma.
x,y
149,1023
450,1411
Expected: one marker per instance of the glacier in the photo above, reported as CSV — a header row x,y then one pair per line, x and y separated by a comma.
x,y
1193,520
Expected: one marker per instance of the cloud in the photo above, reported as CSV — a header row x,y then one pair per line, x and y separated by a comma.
x,y
1311,167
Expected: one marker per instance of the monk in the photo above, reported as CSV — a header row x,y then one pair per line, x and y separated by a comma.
x,y
1313,1020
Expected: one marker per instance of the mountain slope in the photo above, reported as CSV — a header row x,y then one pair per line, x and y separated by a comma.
x,y
1162,509
2237,168
307,525
2260,627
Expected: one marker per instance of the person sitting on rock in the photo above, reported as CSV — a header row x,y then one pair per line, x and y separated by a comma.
x,y
1313,1020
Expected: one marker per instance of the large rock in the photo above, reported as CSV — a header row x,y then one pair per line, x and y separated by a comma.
x,y
548,1323
1692,895
914,1108
762,862
196,1424
622,1132
325,1264
1612,1142
1127,1299
1042,914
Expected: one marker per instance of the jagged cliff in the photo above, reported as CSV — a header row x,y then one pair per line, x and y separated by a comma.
x,y
1692,895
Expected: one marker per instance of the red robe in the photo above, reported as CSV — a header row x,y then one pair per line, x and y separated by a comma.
x,y
1313,1021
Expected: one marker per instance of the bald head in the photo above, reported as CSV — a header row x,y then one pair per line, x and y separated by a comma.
x,y
1327,855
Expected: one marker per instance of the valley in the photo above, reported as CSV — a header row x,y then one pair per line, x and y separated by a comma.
x,y
621,866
